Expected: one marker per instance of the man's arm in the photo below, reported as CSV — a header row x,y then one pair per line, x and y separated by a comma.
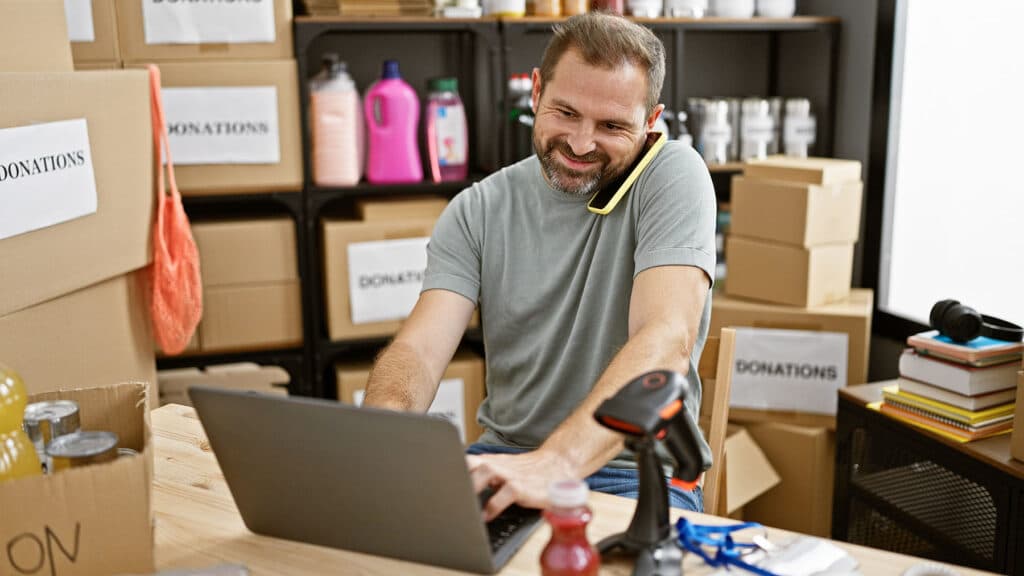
x,y
407,373
664,314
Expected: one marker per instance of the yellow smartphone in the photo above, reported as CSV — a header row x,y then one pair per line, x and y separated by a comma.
x,y
604,201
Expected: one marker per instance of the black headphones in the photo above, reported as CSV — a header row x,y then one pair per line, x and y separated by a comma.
x,y
963,324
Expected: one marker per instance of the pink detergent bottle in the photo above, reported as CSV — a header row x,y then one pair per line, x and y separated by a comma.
x,y
447,139
336,123
392,112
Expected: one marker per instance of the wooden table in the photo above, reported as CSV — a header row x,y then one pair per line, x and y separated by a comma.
x,y
198,525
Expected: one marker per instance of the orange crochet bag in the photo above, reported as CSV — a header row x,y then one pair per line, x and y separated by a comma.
x,y
177,303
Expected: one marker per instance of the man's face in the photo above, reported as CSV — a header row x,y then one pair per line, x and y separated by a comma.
x,y
590,124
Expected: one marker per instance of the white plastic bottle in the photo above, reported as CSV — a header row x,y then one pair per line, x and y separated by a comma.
x,y
336,123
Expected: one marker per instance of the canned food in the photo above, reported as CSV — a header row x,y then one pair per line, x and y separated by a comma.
x,y
45,421
82,449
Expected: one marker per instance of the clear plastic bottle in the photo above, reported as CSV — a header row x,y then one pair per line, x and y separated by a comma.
x,y
18,456
336,125
569,553
447,137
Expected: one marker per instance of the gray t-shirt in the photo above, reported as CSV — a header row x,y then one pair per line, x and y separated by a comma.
x,y
553,280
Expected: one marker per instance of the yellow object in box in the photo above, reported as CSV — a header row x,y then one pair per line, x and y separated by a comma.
x,y
805,461
98,517
465,368
18,457
784,274
799,214
810,170
852,317
100,24
134,45
245,86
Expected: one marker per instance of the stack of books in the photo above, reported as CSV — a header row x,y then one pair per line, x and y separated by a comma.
x,y
961,391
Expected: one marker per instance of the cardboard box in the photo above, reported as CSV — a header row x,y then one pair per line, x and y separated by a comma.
x,y
788,274
132,36
748,473
101,25
810,170
252,317
95,520
805,461
174,384
90,337
795,213
33,37
338,235
852,317
385,209
251,289
55,260
465,367
1017,439
260,173
104,65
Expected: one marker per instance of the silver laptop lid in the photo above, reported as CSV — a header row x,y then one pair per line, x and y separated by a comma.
x,y
317,471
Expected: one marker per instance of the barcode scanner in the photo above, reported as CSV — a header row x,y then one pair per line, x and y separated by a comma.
x,y
962,323
647,410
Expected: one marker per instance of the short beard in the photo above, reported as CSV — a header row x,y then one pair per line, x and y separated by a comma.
x,y
558,175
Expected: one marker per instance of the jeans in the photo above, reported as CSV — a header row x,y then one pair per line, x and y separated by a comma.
x,y
616,481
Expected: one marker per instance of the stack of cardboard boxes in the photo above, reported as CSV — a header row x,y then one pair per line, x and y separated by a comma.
x,y
230,92
76,205
804,332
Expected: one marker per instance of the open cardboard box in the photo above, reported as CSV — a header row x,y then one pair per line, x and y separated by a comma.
x,y
89,521
748,473
174,384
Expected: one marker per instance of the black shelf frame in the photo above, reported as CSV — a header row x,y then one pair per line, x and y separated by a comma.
x,y
858,424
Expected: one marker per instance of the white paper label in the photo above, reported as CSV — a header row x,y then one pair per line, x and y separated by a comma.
x,y
199,21
799,130
450,128
385,277
759,128
46,176
788,370
719,134
449,403
223,125
78,14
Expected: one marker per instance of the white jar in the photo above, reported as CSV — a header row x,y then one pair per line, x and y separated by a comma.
x,y
776,8
686,8
645,8
732,8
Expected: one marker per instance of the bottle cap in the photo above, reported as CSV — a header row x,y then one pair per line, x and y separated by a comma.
x,y
568,493
444,84
390,69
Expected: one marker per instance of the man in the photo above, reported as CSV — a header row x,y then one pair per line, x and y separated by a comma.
x,y
573,304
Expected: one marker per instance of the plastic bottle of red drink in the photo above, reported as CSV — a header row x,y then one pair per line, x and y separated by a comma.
x,y
569,553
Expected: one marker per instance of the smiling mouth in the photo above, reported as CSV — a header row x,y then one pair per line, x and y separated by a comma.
x,y
574,164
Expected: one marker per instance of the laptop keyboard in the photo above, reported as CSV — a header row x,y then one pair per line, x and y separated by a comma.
x,y
506,526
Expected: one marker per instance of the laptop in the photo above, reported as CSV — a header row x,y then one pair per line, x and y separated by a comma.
x,y
373,481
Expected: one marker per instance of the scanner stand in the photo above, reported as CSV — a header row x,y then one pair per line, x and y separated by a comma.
x,y
649,536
